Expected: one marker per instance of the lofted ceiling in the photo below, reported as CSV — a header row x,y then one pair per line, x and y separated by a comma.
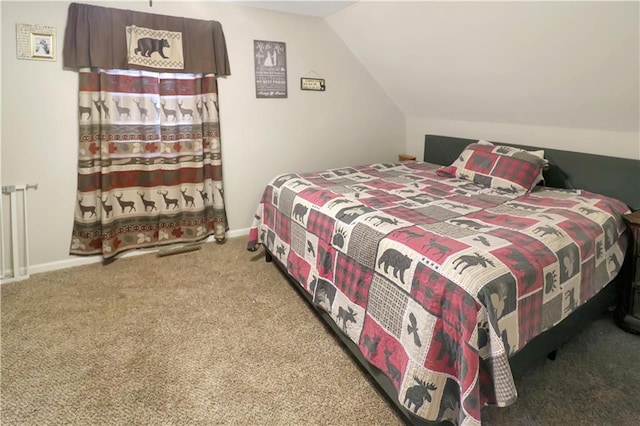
x,y
559,64
562,64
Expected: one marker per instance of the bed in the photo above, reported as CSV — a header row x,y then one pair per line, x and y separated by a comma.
x,y
443,287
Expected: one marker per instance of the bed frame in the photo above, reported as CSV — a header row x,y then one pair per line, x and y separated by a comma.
x,y
609,176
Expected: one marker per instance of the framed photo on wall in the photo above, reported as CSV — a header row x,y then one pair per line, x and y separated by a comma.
x,y
36,42
42,46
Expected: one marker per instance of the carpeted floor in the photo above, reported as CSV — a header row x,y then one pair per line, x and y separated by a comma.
x,y
218,336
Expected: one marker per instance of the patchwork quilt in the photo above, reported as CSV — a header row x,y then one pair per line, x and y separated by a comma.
x,y
439,280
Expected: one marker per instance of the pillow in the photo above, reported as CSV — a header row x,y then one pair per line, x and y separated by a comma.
x,y
545,165
503,168
538,153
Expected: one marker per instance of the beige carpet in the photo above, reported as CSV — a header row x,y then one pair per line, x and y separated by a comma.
x,y
218,336
213,336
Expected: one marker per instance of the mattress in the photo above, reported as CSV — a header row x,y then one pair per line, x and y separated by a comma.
x,y
439,280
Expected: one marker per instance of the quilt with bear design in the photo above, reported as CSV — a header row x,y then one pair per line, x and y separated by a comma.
x,y
439,280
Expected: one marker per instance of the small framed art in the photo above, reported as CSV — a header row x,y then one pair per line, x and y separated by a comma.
x,y
316,84
42,46
36,42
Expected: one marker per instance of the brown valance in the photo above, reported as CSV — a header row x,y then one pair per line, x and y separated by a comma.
x,y
104,37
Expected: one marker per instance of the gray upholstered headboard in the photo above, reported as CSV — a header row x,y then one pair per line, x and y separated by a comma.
x,y
611,176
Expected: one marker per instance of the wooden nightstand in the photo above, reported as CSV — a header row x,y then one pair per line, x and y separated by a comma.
x,y
405,157
628,311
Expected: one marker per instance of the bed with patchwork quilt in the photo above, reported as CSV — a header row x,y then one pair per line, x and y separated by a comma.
x,y
440,278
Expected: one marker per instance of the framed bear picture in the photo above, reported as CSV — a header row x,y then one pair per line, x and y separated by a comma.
x,y
154,48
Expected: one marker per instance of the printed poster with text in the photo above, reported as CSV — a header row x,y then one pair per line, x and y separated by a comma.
x,y
271,69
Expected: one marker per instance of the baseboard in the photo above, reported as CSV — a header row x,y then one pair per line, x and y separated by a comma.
x,y
80,261
238,233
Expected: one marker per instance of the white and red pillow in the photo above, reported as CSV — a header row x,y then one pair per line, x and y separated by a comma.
x,y
501,168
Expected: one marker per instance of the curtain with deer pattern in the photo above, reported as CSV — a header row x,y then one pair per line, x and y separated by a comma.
x,y
149,161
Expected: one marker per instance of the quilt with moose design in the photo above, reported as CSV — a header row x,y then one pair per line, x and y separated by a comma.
x,y
436,279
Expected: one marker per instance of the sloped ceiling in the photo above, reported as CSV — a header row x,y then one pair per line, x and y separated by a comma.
x,y
563,64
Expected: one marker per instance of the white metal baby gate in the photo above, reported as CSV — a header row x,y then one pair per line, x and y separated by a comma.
x,y
11,248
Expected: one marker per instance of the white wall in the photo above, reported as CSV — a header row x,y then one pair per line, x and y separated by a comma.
x,y
558,74
353,122
594,141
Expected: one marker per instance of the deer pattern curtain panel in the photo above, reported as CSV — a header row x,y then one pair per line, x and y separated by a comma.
x,y
149,161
